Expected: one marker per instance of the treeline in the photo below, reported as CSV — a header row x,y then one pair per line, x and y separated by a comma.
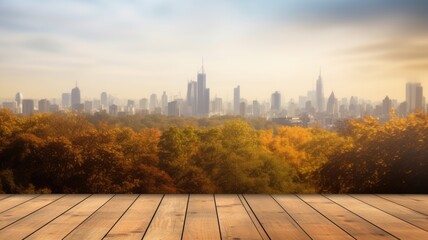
x,y
71,153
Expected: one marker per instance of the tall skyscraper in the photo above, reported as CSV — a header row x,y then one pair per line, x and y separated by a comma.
x,y
173,108
44,106
164,103
104,100
386,106
65,100
18,100
202,94
332,106
27,106
191,99
414,97
320,94
153,102
275,102
144,104
236,99
75,97
256,108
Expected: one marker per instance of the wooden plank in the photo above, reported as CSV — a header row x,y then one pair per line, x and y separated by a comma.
x,y
3,196
273,218
389,223
99,223
348,221
234,221
418,203
36,220
134,223
14,214
314,224
15,200
396,210
169,219
201,218
253,217
64,224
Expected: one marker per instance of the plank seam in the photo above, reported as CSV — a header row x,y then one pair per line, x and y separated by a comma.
x,y
258,220
32,212
404,220
361,216
401,205
218,220
57,216
185,216
154,214
325,217
8,196
291,217
20,204
89,216
121,216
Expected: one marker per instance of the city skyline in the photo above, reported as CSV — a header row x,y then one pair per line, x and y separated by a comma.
x,y
134,49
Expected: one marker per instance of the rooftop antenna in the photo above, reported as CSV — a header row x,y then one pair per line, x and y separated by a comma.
x,y
203,71
76,83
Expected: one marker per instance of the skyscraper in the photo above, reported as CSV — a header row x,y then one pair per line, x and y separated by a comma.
x,y
27,106
191,99
65,100
202,94
386,106
104,100
320,94
275,102
164,103
18,100
44,105
153,102
414,97
236,99
75,97
332,106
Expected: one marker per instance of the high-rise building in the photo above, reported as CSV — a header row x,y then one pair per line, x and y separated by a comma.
x,y
113,109
18,100
191,99
153,102
104,100
242,109
164,103
386,106
320,94
275,102
75,98
202,94
11,106
236,99
414,97
173,108
217,105
44,106
332,106
65,100
256,108
27,106
144,104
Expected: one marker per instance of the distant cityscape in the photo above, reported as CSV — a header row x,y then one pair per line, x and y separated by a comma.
x,y
311,109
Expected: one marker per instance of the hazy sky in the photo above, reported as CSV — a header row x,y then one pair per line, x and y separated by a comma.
x,y
134,48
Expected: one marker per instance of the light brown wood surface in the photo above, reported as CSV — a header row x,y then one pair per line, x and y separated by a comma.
x,y
218,216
